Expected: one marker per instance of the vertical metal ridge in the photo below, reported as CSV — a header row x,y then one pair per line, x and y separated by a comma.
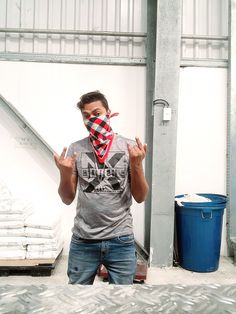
x,y
231,136
150,78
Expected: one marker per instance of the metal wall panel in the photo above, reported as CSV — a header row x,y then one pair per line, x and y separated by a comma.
x,y
117,29
205,32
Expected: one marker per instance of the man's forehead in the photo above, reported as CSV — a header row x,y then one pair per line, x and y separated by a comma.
x,y
92,109
95,105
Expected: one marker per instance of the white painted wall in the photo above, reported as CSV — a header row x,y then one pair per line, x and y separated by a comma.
x,y
46,94
201,139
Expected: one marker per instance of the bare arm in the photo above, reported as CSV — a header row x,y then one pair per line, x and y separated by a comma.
x,y
68,180
139,185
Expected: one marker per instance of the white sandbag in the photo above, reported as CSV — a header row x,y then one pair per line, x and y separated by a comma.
x,y
5,193
45,246
37,241
5,198
11,224
13,254
15,206
13,241
5,205
20,206
12,248
43,221
42,233
42,247
19,232
44,254
12,217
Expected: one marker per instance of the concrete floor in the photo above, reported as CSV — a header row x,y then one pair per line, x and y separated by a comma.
x,y
225,275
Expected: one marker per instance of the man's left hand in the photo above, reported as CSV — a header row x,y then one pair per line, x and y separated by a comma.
x,y
137,153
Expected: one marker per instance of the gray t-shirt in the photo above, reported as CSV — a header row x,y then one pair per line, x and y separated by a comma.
x,y
104,196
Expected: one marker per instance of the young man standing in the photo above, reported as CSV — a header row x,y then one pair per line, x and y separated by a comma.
x,y
105,170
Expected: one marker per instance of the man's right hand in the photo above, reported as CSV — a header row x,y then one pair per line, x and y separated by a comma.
x,y
65,164
68,181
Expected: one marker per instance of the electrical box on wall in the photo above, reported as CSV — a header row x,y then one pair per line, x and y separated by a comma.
x,y
166,114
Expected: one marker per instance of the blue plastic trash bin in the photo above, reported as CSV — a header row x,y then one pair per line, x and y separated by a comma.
x,y
199,227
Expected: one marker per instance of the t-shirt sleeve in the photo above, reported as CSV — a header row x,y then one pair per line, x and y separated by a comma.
x,y
70,153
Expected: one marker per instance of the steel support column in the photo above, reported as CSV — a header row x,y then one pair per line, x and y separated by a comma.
x,y
150,81
168,40
231,167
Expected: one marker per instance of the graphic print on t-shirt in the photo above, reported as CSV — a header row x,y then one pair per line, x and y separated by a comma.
x,y
108,177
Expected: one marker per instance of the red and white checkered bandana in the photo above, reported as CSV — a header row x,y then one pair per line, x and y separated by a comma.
x,y
101,135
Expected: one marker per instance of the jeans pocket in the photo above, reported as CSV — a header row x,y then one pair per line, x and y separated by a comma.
x,y
126,239
76,240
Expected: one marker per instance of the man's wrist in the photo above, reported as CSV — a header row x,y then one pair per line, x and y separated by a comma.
x,y
65,175
136,166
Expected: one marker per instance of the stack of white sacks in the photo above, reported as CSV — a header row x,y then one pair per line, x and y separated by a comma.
x,y
43,236
26,233
12,215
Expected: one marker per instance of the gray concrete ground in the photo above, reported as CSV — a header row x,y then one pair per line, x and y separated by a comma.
x,y
225,275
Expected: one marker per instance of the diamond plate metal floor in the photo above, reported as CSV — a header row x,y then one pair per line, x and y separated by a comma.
x,y
111,299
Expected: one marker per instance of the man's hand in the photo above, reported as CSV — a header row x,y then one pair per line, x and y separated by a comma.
x,y
68,181
137,153
65,164
139,185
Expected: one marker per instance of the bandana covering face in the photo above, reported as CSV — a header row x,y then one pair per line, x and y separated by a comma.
x,y
101,135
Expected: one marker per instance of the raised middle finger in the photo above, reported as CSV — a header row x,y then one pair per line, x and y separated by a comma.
x,y
140,145
62,156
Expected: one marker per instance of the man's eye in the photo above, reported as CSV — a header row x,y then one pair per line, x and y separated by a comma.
x,y
97,114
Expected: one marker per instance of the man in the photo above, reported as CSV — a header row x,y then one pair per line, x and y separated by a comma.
x,y
105,170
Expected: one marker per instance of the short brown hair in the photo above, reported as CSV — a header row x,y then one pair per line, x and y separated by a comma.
x,y
91,97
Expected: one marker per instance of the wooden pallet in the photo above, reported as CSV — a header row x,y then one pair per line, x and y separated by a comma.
x,y
31,267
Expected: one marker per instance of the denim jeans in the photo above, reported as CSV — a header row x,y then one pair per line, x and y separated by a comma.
x,y
117,255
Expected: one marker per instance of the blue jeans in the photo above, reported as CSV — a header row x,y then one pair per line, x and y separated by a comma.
x,y
117,255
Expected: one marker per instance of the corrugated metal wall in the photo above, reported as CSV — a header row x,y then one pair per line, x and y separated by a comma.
x,y
85,28
106,31
204,32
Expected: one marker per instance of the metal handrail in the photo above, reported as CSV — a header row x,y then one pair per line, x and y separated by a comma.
x,y
71,32
101,33
204,37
